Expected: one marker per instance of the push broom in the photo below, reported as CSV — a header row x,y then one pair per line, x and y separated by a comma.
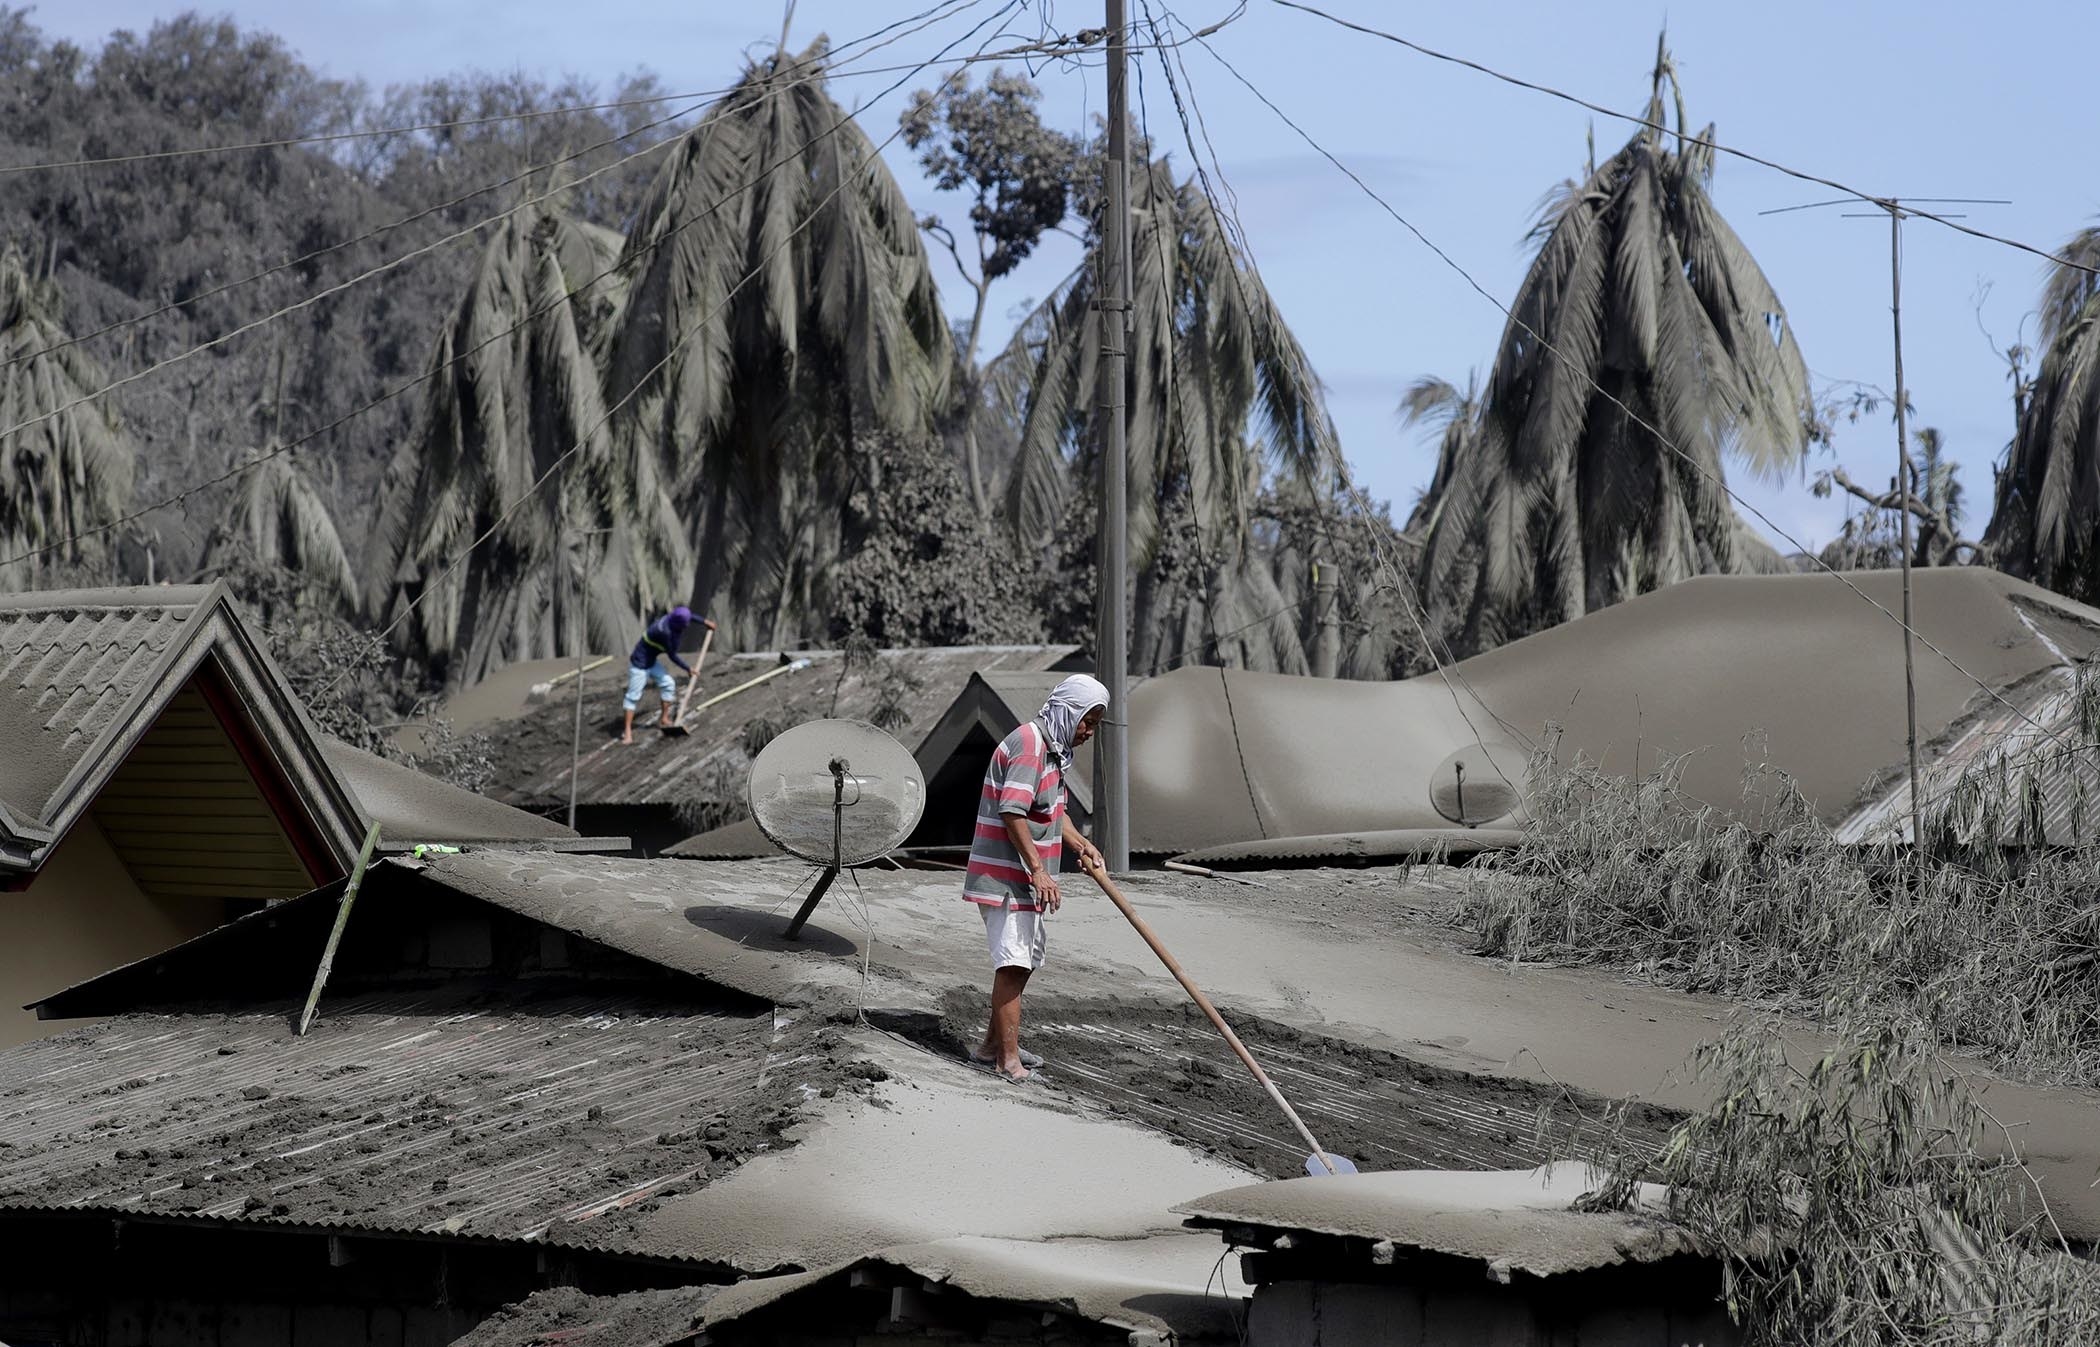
x,y
1321,1161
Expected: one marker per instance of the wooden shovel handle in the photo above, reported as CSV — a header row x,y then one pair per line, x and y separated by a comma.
x,y
693,679
1188,984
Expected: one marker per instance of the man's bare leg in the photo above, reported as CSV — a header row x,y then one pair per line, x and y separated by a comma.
x,y
627,735
1002,1034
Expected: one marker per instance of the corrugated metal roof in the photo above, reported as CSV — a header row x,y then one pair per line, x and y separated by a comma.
x,y
69,661
532,751
401,1113
1514,1220
2034,742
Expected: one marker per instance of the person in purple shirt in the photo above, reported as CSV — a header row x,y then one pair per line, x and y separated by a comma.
x,y
658,643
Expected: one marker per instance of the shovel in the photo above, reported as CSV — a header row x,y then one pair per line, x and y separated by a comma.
x,y
1320,1161
676,729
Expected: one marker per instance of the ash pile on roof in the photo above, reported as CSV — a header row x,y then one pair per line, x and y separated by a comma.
x,y
566,1315
1166,1068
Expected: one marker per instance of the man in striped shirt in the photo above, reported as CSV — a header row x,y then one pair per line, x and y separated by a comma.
x,y
1021,836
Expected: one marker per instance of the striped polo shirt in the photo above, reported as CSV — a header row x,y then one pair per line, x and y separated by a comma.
x,y
1023,779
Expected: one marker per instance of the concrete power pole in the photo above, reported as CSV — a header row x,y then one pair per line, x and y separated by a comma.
x,y
1327,622
1112,746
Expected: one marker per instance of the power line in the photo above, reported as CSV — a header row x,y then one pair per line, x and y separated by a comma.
x,y
431,586
1631,415
1062,45
336,137
416,381
820,68
363,276
1445,665
1598,108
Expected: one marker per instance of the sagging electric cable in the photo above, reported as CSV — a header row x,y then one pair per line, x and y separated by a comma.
x,y
1631,415
649,375
416,381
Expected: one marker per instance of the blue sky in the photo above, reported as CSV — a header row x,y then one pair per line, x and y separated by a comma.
x,y
1926,98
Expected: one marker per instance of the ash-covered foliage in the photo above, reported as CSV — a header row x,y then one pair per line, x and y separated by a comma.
x,y
1990,937
1858,1194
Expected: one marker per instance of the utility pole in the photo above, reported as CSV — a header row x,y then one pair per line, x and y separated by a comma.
x,y
1327,621
1112,745
1910,672
583,650
1893,208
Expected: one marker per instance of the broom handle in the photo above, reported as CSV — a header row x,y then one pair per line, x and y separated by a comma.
x,y
1115,895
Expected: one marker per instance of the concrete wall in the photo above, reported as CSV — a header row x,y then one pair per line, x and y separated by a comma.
x,y
1330,1314
81,915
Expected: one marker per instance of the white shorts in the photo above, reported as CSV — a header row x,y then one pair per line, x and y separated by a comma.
x,y
1015,938
637,679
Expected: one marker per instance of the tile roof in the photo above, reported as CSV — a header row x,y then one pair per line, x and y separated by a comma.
x,y
403,1112
70,660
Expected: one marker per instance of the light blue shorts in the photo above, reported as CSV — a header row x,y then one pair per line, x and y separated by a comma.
x,y
637,679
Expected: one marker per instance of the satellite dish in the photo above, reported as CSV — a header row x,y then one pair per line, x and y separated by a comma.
x,y
1478,784
837,793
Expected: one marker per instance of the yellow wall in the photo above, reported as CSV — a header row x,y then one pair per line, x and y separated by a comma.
x,y
82,915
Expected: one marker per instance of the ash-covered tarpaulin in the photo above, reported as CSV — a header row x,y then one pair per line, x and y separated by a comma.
x,y
1721,672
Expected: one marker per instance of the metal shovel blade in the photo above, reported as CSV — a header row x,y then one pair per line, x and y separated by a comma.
x,y
1342,1165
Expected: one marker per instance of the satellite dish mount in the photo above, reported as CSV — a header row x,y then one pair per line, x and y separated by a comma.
x,y
839,767
799,799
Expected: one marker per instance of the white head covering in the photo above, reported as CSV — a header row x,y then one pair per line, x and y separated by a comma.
x,y
1069,702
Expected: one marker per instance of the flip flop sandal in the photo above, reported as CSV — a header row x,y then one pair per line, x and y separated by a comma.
x,y
1028,1059
990,1070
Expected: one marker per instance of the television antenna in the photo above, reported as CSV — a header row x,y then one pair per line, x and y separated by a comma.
x,y
1894,208
836,793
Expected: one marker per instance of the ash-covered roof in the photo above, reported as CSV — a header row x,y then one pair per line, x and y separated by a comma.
x,y
564,1117
1166,1286
412,806
1512,1220
70,660
710,765
86,675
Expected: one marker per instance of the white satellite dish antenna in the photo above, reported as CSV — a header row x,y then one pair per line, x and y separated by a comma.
x,y
836,793
1479,783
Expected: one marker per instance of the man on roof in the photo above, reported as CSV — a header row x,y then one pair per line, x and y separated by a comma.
x,y
1021,836
658,643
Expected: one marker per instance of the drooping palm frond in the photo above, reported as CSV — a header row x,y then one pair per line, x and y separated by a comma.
x,y
1220,394
519,390
2045,521
782,315
1440,405
67,473
1642,308
279,520
2070,289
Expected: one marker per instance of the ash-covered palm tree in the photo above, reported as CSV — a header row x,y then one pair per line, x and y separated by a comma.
x,y
70,472
2045,522
1220,395
1454,414
518,388
1655,313
279,521
782,321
